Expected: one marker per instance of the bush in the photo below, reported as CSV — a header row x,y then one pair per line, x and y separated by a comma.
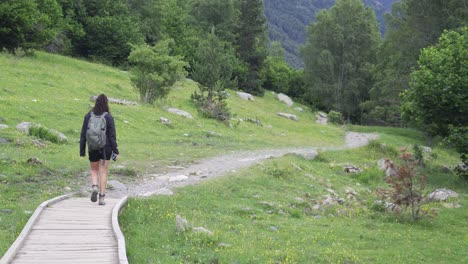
x,y
335,118
44,133
407,186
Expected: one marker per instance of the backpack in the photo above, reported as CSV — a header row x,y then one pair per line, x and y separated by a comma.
x,y
96,133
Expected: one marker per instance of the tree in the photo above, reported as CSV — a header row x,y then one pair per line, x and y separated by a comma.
x,y
339,56
276,73
437,98
27,24
213,70
411,26
223,15
251,45
154,70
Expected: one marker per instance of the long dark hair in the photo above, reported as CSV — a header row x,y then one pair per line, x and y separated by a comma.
x,y
101,105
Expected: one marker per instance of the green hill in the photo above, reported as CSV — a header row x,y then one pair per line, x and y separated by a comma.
x,y
54,91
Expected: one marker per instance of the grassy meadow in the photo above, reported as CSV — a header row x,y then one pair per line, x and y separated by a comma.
x,y
262,214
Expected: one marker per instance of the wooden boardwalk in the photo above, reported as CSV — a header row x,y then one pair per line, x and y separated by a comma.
x,y
73,230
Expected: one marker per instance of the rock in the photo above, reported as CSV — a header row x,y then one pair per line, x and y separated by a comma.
x,y
426,150
6,211
351,169
221,244
273,228
182,224
2,126
164,120
299,109
288,116
245,96
179,112
441,195
299,199
390,207
67,189
25,126
61,137
266,204
27,212
309,155
213,134
321,118
34,161
4,141
285,99
461,169
202,230
178,178
38,143
328,201
381,164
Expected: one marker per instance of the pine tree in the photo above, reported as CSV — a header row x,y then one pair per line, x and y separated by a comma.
x,y
251,45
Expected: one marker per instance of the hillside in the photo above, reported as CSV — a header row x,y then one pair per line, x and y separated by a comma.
x,y
288,20
263,214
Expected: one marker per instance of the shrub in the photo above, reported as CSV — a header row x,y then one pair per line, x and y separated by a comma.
x,y
335,117
44,133
407,186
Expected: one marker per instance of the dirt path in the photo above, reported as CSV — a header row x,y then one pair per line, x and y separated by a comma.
x,y
162,184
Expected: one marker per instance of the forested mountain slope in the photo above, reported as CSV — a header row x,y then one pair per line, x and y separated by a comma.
x,y
288,20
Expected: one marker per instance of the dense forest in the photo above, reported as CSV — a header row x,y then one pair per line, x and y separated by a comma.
x,y
288,19
416,74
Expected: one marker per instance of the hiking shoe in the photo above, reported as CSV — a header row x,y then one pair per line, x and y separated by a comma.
x,y
94,194
101,199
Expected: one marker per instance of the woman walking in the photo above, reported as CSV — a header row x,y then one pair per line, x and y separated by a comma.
x,y
98,131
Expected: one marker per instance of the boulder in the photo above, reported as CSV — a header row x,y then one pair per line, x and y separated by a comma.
x,y
352,169
285,99
202,230
288,116
245,96
179,112
34,161
182,224
61,137
164,120
308,155
321,118
25,126
2,126
441,195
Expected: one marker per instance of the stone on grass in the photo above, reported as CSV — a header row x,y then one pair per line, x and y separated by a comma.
x,y
164,120
299,109
267,204
321,118
182,225
2,126
4,141
245,96
441,195
34,161
308,155
25,126
202,230
179,112
273,228
352,169
38,143
285,99
213,134
288,116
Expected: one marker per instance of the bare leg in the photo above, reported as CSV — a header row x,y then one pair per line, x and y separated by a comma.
x,y
103,171
94,172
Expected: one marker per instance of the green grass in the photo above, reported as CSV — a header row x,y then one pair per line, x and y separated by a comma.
x,y
350,233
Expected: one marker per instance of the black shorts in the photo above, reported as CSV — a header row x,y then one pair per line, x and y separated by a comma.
x,y
97,155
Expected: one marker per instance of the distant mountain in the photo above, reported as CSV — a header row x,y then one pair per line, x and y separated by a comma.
x,y
288,20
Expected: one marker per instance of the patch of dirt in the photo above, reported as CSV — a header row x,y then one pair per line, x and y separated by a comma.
x,y
163,184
